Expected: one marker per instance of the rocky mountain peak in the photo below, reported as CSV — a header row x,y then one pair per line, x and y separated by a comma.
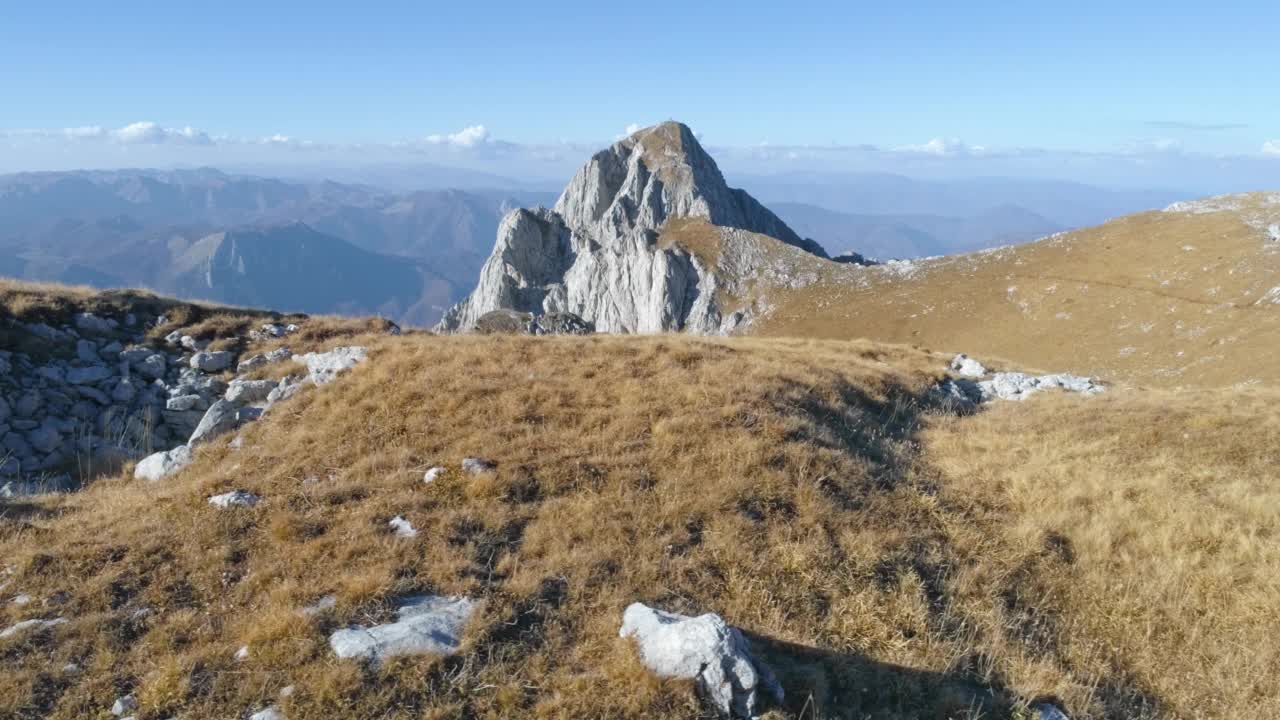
x,y
642,239
658,173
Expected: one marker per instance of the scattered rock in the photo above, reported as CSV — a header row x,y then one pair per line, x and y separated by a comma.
x,y
86,351
967,366
561,323
245,392
433,474
505,322
25,625
1020,386
221,417
403,528
1048,711
324,367
88,375
152,366
124,705
184,403
21,600
476,466
705,649
271,712
163,464
211,362
287,388
88,322
242,654
426,625
328,602
235,498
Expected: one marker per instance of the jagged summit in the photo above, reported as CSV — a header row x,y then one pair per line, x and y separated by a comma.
x,y
658,173
608,252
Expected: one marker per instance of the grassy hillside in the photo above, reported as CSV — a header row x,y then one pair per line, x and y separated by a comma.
x,y
1161,299
887,559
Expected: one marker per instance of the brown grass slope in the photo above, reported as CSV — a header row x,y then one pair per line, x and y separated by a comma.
x,y
888,560
1160,299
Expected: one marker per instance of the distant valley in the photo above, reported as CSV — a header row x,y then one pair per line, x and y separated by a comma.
x,y
326,247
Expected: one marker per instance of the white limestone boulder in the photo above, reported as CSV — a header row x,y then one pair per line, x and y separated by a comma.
x,y
425,625
162,464
704,649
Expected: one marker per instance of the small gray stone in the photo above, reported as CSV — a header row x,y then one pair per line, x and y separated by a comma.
x,y
210,362
4,410
52,373
152,366
93,393
476,466
16,444
136,354
88,322
87,351
29,625
249,391
235,498
124,706
45,438
287,388
221,417
124,392
28,403
88,375
191,343
967,366
186,402
111,351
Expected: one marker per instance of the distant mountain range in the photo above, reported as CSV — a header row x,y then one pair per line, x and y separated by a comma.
x,y
208,234
911,236
891,216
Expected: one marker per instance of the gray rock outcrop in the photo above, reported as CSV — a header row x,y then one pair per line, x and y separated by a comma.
x,y
162,464
704,649
324,367
425,625
600,253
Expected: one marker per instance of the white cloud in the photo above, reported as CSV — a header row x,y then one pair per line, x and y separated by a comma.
x,y
150,133
465,138
633,128
140,132
1271,147
943,147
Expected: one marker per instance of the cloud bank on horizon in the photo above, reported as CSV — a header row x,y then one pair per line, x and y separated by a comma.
x,y
1157,162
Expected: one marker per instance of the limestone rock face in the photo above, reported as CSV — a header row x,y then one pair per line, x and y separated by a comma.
x,y
600,252
705,649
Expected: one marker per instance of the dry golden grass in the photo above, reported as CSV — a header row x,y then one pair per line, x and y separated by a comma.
x,y
1155,299
889,562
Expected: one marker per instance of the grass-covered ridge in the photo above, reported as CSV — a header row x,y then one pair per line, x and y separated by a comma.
x,y
888,560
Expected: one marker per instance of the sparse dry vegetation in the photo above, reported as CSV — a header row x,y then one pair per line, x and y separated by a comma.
x,y
888,560
1156,299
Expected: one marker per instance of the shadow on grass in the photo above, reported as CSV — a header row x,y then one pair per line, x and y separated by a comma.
x,y
883,433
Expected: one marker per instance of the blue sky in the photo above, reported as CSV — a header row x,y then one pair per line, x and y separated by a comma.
x,y
947,79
